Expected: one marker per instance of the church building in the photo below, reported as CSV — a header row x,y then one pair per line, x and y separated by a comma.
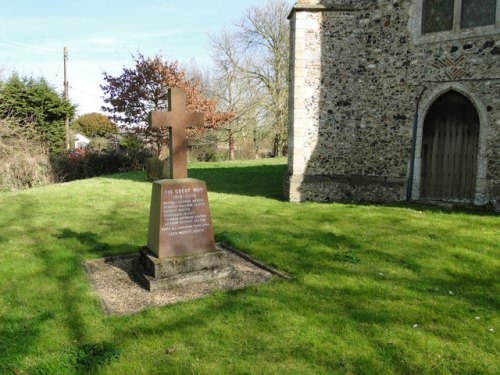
x,y
395,100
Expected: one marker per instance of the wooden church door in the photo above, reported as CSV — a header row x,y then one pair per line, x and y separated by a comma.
x,y
449,149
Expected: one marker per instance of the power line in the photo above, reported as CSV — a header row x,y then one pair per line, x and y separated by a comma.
x,y
84,92
29,47
86,67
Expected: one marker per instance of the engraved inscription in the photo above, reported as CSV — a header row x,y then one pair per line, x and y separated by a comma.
x,y
184,212
180,220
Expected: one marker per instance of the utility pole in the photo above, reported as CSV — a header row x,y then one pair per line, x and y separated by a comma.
x,y
66,96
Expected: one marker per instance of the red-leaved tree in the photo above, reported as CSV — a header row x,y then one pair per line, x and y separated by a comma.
x,y
137,91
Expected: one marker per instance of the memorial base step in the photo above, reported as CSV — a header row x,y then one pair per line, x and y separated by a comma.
x,y
165,273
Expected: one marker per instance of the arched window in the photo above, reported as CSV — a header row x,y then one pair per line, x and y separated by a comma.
x,y
456,15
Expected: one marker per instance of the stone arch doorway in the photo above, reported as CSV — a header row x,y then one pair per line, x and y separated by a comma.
x,y
450,143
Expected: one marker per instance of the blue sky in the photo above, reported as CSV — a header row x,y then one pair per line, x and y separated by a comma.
x,y
101,35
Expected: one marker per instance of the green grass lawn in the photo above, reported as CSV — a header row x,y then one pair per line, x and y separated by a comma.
x,y
376,289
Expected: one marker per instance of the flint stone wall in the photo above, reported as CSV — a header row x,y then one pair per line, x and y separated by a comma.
x,y
360,72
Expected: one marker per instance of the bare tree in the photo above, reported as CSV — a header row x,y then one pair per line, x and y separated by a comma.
x,y
263,37
232,88
256,52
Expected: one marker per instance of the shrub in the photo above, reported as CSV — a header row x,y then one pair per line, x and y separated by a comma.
x,y
158,169
24,160
35,103
80,164
131,142
95,125
98,144
215,156
206,154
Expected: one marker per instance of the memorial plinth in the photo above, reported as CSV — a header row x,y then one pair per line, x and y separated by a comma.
x,y
179,218
181,246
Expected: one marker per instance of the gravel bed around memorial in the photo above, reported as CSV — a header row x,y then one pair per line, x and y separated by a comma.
x,y
118,287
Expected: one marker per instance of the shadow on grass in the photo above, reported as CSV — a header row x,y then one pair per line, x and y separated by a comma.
x,y
329,247
19,328
61,297
82,359
267,181
261,180
93,244
88,239
314,295
338,286
445,208
17,335
264,180
423,206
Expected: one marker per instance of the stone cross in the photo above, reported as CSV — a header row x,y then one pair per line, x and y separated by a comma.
x,y
177,120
